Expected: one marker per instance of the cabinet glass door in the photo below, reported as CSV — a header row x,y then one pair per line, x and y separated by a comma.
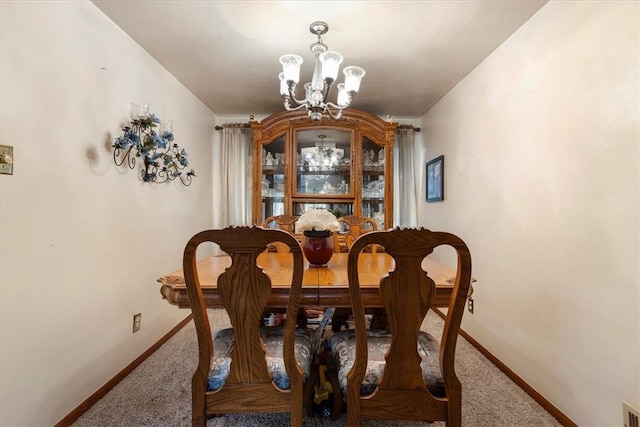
x,y
373,186
273,184
323,162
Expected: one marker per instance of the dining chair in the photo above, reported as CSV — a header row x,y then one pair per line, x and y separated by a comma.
x,y
404,373
281,222
248,367
286,223
355,226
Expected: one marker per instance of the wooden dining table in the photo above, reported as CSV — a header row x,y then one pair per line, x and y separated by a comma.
x,y
322,286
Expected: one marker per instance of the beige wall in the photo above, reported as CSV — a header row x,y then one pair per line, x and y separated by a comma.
x,y
541,149
82,241
541,160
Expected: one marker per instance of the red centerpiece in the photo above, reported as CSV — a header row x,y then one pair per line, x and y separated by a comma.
x,y
317,247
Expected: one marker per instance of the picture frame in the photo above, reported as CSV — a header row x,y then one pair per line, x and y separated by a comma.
x,y
435,179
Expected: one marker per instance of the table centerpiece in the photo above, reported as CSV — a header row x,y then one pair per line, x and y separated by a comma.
x,y
317,226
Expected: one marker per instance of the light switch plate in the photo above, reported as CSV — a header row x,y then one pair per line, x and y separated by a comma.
x,y
6,168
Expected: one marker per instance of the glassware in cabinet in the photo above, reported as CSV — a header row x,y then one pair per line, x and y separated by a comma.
x,y
323,162
373,181
273,178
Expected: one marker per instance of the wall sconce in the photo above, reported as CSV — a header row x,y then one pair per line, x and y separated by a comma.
x,y
163,159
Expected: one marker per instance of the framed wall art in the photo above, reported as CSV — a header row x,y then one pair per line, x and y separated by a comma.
x,y
435,179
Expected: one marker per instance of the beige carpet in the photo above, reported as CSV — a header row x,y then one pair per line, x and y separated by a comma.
x,y
158,392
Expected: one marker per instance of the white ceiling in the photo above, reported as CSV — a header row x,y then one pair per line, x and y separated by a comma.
x,y
226,52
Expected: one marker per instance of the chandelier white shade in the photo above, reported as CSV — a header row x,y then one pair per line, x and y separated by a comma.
x,y
325,73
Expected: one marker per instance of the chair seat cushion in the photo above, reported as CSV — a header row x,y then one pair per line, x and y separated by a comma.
x,y
343,346
273,339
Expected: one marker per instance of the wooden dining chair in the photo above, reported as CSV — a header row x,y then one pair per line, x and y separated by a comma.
x,y
404,373
281,222
355,226
248,367
286,223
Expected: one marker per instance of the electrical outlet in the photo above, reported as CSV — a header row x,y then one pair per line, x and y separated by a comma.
x,y
470,305
137,321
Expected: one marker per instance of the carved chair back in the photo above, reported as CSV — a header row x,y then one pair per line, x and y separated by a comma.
x,y
244,289
356,226
282,222
403,391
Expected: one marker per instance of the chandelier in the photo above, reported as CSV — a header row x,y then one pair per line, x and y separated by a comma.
x,y
324,75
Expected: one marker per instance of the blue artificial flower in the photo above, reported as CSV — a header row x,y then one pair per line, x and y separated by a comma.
x,y
168,159
158,141
119,143
183,160
132,136
184,152
154,119
176,174
167,135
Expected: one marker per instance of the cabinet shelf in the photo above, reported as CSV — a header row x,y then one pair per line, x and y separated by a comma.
x,y
273,170
341,171
377,171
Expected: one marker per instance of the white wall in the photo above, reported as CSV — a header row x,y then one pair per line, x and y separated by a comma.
x,y
541,147
82,241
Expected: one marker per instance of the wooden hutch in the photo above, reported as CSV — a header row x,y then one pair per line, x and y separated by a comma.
x,y
344,165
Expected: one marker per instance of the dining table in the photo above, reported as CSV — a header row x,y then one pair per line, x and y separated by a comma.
x,y
322,286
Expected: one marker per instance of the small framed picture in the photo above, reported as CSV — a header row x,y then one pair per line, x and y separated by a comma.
x,y
435,179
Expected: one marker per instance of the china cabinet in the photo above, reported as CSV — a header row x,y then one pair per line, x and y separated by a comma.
x,y
345,165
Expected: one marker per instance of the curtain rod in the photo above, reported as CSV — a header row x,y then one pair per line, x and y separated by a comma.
x,y
246,125
232,125
409,127
235,125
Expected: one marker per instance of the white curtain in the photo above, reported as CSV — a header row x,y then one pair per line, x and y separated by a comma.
x,y
407,182
232,177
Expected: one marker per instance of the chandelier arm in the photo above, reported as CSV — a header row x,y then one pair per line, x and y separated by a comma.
x,y
289,107
292,96
335,116
335,107
338,110
327,86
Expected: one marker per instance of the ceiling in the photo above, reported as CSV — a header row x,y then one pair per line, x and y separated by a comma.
x,y
226,52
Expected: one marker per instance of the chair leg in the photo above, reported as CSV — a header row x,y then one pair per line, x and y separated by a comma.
x,y
302,319
339,318
454,407
332,374
198,408
309,390
379,321
296,411
353,410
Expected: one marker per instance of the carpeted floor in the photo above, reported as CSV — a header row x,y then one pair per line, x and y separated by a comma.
x,y
158,392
